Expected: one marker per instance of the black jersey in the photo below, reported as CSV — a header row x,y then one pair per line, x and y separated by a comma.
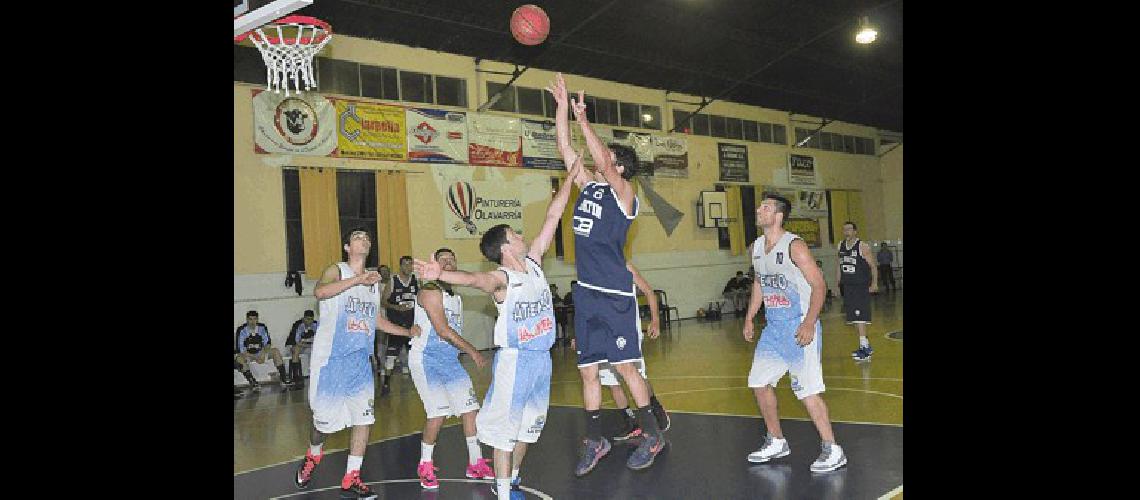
x,y
403,294
853,268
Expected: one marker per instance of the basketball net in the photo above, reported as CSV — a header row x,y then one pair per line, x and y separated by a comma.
x,y
288,50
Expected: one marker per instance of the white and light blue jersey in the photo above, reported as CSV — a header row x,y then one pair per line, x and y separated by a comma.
x,y
526,316
600,229
429,342
787,293
348,319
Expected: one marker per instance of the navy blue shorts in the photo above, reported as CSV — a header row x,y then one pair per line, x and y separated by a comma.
x,y
605,325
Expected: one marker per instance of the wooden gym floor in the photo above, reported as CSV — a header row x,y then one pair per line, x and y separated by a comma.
x,y
699,370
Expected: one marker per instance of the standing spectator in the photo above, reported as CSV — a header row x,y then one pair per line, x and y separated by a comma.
x,y
886,258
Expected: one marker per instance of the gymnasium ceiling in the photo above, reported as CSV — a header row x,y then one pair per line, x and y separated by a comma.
x,y
792,55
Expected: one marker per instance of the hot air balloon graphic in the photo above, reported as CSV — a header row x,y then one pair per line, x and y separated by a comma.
x,y
461,201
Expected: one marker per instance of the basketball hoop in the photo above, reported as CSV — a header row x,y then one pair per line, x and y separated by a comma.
x,y
288,50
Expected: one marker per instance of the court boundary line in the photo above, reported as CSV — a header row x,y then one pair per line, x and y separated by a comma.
x,y
538,493
715,414
891,494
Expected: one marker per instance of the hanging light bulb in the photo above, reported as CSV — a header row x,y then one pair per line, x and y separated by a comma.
x,y
867,33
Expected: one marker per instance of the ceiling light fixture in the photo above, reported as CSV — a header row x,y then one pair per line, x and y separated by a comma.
x,y
867,33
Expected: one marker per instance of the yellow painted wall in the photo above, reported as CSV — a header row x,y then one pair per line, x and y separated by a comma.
x,y
259,234
893,194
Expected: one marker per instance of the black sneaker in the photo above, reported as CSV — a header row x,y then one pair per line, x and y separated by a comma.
x,y
352,487
662,416
305,470
385,388
630,431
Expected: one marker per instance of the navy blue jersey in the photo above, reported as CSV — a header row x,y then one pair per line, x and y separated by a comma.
x,y
853,268
600,229
405,295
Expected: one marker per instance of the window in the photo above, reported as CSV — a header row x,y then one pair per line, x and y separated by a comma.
x,y
551,106
701,124
733,128
379,83
750,132
356,206
779,134
559,252
294,242
682,119
338,77
606,112
450,91
506,102
813,139
825,140
650,117
848,144
868,146
530,101
765,131
248,65
629,115
801,134
591,108
717,126
859,146
416,87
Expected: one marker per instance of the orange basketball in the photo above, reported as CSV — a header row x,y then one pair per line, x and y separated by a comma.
x,y
530,25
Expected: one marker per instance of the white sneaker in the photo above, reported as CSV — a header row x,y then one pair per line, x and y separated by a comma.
x,y
831,458
772,448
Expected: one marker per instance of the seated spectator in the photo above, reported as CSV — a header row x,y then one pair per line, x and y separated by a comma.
x,y
253,342
240,365
737,291
301,338
559,314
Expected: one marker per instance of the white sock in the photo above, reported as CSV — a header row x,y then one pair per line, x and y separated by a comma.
x,y
315,449
503,486
354,463
863,342
473,451
514,474
425,451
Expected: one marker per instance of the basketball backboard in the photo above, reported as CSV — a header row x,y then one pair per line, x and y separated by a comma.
x,y
250,14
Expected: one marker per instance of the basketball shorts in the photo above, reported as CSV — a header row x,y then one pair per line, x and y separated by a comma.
x,y
341,391
515,407
777,353
443,384
605,325
857,303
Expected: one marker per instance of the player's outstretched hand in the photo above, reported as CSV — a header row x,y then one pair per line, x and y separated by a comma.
x,y
479,360
748,329
579,106
415,330
429,270
557,89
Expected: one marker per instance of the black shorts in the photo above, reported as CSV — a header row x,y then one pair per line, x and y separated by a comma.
x,y
395,342
857,303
